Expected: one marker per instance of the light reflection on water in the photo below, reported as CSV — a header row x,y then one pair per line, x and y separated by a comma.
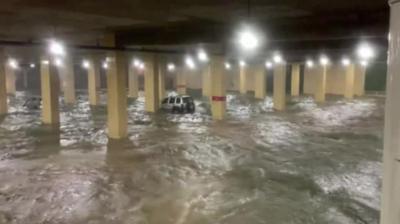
x,y
309,164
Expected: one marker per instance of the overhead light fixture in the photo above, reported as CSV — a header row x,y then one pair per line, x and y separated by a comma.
x,y
202,56
13,63
136,63
310,63
268,64
278,59
32,65
364,63
346,62
171,67
45,62
141,66
85,64
190,63
56,48
105,64
228,66
324,60
365,51
57,62
242,63
248,39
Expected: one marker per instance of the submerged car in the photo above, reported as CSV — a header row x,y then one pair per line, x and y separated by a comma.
x,y
180,103
33,103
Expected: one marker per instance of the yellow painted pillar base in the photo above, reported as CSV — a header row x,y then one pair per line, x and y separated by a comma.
x,y
94,80
295,82
260,82
50,88
151,83
218,88
242,80
320,84
3,89
181,81
117,115
279,87
10,80
206,80
359,80
349,82
68,76
161,80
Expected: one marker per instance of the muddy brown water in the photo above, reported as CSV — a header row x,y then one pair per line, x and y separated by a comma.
x,y
309,164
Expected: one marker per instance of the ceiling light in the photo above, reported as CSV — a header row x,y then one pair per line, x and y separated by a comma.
x,y
365,51
136,63
248,39
45,62
227,66
58,62
32,65
202,56
85,64
324,60
345,61
278,59
56,48
364,63
190,63
242,63
310,63
141,66
171,67
268,64
105,65
13,63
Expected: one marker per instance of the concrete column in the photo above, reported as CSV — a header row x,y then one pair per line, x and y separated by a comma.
x,y
206,80
68,75
309,80
218,87
3,88
133,82
260,85
295,82
161,79
151,83
50,88
181,80
359,80
117,114
10,80
320,83
349,82
242,79
280,87
93,73
390,210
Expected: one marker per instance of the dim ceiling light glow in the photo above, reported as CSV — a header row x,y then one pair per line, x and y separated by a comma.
x,y
137,63
268,64
105,65
346,61
364,63
85,64
227,66
56,48
13,63
141,66
202,56
365,51
278,59
324,60
242,63
171,67
248,39
45,62
58,62
310,63
190,63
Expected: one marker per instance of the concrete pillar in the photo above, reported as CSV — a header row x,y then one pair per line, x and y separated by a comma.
x,y
68,76
359,80
309,80
10,80
181,80
3,88
117,114
151,83
218,87
390,210
206,80
50,88
295,82
260,85
162,72
93,73
242,79
320,83
349,82
133,82
280,87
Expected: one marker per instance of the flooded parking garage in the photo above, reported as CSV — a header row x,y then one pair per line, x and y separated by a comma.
x,y
308,164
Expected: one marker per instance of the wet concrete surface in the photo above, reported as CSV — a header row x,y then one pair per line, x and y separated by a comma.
x,y
309,164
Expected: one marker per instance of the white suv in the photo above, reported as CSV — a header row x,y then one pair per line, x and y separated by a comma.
x,y
180,103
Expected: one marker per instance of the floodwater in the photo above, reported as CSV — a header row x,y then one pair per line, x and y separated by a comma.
x,y
310,164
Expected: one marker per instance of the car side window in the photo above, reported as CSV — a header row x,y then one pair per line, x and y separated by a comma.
x,y
178,100
165,101
171,100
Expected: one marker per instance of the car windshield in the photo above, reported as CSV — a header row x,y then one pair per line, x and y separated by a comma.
x,y
187,100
